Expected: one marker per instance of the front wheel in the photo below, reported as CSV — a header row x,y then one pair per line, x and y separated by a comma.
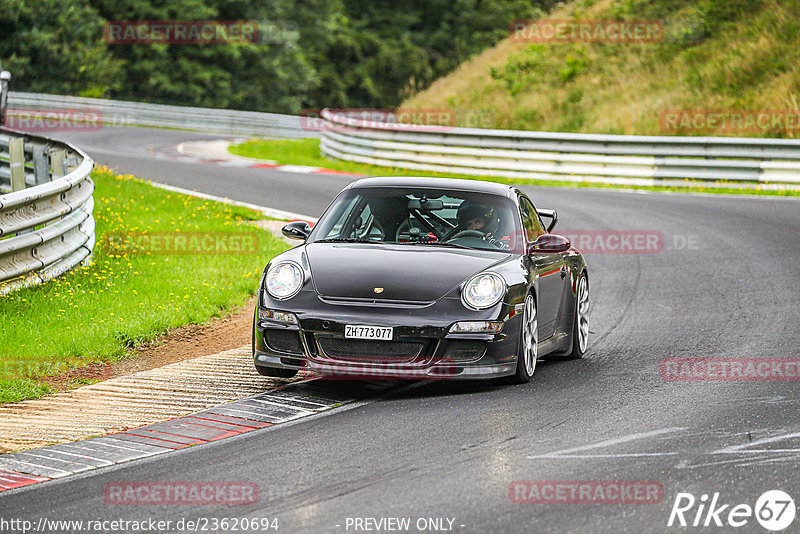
x,y
528,342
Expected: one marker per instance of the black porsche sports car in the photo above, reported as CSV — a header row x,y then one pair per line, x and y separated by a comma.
x,y
423,278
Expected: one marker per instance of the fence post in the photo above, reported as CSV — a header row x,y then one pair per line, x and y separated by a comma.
x,y
41,163
57,161
16,152
71,162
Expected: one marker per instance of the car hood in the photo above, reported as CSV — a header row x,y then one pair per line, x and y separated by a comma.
x,y
405,272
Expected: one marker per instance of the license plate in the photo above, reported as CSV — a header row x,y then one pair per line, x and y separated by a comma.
x,y
367,332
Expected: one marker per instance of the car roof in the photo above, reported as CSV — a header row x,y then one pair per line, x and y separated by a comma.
x,y
437,183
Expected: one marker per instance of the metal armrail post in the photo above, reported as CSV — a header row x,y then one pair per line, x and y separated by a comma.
x,y
41,163
16,153
58,160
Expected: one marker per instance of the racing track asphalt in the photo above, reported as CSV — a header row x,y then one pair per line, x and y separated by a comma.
x,y
451,449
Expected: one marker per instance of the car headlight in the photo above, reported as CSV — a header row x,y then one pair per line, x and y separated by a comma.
x,y
277,316
284,280
476,327
483,291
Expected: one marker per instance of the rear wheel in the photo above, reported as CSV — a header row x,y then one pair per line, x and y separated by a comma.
x,y
580,328
582,318
528,342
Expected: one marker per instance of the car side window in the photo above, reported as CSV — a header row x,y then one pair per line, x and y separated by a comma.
x,y
530,220
345,212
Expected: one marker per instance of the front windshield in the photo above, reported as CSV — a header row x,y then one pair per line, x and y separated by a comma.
x,y
422,216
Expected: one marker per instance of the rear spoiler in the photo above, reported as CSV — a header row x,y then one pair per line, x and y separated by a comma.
x,y
549,214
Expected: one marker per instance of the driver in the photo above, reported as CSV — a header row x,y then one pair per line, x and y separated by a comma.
x,y
479,218
473,216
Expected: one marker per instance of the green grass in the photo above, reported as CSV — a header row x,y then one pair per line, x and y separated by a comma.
x,y
128,295
307,152
20,389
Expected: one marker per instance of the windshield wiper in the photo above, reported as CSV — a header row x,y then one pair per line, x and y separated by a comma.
x,y
346,240
437,244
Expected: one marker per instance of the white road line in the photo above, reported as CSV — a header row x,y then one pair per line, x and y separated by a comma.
x,y
284,407
738,449
21,466
80,456
248,412
124,445
608,443
750,461
269,212
768,461
302,169
277,398
83,450
590,456
75,467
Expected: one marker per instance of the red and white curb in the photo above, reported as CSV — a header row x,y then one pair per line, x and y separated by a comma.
x,y
216,153
283,404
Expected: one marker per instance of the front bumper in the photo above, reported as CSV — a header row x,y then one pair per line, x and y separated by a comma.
x,y
430,351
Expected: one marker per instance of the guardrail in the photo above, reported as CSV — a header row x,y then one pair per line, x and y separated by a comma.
x,y
120,113
623,159
46,223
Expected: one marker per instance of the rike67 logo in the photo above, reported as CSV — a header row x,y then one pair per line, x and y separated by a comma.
x,y
774,510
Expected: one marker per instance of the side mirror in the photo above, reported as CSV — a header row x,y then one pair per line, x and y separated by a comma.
x,y
297,230
549,214
549,243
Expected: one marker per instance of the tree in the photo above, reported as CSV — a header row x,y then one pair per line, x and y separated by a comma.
x,y
56,46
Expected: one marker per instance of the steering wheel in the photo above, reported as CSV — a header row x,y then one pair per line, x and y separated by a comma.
x,y
467,233
405,231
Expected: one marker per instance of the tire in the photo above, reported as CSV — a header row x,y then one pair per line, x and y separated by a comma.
x,y
275,372
580,327
528,342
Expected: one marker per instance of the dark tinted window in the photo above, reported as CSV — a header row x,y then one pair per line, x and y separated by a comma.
x,y
401,215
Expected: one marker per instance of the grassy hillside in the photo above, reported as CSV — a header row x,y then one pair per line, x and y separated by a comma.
x,y
718,55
